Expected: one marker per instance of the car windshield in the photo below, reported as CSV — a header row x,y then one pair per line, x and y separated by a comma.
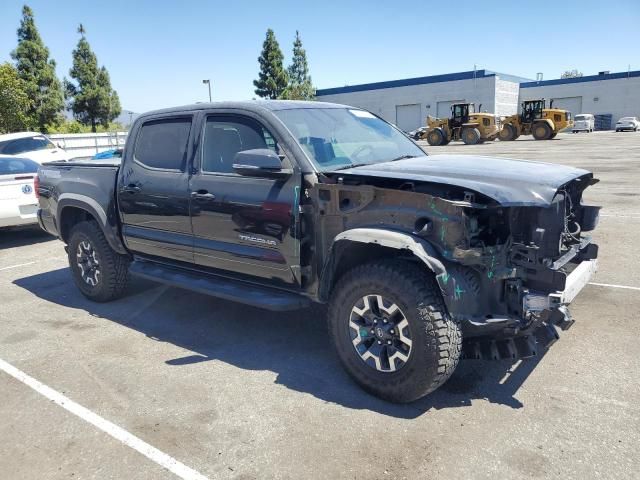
x,y
336,138
627,119
580,117
14,166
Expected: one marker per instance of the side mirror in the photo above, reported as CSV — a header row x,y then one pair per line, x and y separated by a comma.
x,y
259,162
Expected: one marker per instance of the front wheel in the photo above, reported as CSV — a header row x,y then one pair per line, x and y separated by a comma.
x,y
507,133
99,272
392,331
542,131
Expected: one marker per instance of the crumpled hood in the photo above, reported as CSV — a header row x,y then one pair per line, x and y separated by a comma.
x,y
507,181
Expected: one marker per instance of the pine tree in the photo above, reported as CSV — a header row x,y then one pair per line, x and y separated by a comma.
x,y
92,99
38,73
14,101
272,78
300,86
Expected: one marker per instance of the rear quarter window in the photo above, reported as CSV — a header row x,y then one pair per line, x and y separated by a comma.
x,y
162,144
14,166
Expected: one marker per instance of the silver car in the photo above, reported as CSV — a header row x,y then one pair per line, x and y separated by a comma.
x,y
628,123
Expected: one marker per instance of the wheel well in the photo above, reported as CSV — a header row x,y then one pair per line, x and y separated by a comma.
x,y
347,255
69,217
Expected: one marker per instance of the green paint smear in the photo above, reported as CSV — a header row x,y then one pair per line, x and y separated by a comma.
x,y
457,294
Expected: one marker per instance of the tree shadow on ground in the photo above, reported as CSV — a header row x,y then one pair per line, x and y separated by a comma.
x,y
293,345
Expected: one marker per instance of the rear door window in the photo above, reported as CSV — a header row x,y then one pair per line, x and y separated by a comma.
x,y
162,144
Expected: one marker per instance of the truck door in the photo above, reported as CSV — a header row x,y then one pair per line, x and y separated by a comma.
x,y
153,189
241,224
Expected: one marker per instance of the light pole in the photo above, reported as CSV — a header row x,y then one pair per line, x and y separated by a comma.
x,y
208,82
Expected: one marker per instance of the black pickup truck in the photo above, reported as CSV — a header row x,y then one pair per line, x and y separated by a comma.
x,y
421,259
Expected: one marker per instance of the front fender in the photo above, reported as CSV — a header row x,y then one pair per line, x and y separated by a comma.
x,y
420,248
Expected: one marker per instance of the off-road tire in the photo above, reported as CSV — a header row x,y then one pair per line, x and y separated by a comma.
x,y
114,267
471,136
436,337
553,135
541,131
435,137
507,133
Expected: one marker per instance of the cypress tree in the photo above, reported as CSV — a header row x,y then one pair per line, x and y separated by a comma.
x,y
300,86
38,73
91,97
272,78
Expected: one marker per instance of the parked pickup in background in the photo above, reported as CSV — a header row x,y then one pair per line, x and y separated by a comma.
x,y
421,259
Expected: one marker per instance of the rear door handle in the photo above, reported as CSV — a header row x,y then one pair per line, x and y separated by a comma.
x,y
202,195
131,188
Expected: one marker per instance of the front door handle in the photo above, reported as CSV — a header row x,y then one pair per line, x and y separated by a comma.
x,y
131,188
203,195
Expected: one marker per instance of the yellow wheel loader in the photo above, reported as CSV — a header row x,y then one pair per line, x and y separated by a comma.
x,y
465,124
537,120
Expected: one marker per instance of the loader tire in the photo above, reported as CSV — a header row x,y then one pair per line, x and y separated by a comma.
x,y
436,137
507,133
471,136
542,131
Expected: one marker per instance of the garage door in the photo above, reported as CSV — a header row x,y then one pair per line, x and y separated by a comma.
x,y
444,108
572,104
408,117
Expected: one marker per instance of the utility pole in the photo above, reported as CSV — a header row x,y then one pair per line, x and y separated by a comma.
x,y
208,82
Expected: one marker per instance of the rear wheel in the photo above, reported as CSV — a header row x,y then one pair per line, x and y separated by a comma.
x,y
391,330
553,135
507,133
99,272
542,131
435,137
470,136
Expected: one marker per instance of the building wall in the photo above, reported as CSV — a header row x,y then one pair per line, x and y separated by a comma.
x,y
384,102
507,93
619,97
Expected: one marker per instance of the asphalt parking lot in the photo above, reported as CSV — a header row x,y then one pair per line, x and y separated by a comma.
x,y
235,392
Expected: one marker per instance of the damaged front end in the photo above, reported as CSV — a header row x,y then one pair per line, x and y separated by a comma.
x,y
508,267
533,274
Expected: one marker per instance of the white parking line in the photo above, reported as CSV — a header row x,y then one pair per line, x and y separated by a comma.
x,y
152,453
610,285
621,215
17,266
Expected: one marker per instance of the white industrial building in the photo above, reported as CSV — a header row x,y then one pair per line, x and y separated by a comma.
x,y
408,102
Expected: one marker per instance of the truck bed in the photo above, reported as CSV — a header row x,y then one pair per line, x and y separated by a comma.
x,y
89,184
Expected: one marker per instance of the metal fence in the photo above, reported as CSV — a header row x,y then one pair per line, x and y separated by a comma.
x,y
88,144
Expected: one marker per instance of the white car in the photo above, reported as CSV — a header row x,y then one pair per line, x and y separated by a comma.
x,y
33,145
628,123
18,200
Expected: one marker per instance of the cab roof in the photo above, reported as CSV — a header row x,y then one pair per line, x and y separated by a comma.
x,y
251,105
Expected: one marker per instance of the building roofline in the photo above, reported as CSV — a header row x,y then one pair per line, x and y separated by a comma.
x,y
447,77
588,78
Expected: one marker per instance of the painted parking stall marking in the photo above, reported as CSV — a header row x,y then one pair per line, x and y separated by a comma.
x,y
152,453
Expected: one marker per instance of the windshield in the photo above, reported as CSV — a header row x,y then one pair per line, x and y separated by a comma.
x,y
25,144
580,117
335,138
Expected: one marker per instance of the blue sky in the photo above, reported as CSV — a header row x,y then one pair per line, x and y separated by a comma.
x,y
158,52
